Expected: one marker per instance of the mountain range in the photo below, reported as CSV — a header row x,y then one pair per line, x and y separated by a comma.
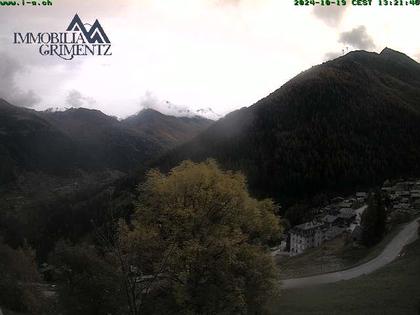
x,y
171,109
350,122
346,124
59,143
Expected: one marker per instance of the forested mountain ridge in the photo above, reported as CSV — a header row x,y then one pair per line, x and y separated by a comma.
x,y
59,143
164,129
29,142
351,121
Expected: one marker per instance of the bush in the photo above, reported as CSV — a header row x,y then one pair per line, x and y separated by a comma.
x,y
18,273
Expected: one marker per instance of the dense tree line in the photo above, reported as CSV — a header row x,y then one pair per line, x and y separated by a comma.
x,y
43,209
18,273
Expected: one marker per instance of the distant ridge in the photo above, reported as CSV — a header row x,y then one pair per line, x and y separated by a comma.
x,y
63,142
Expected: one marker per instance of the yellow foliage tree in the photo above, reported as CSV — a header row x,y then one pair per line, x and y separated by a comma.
x,y
197,244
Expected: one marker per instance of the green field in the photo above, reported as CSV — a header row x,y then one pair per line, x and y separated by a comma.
x,y
395,289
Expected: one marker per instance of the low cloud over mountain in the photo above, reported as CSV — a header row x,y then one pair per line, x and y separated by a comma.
x,y
151,101
10,68
357,38
76,99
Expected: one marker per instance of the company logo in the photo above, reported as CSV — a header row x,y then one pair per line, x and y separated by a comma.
x,y
80,39
96,33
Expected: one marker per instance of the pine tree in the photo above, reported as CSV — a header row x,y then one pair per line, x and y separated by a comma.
x,y
374,220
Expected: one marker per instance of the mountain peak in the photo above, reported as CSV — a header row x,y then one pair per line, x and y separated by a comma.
x,y
389,51
395,55
82,114
148,112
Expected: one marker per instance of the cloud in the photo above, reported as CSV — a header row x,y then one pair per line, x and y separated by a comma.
x,y
331,15
357,38
77,99
235,4
150,101
10,69
227,2
332,55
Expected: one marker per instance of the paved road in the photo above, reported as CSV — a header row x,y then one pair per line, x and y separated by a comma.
x,y
391,252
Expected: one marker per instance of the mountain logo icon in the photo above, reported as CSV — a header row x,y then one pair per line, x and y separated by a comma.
x,y
94,34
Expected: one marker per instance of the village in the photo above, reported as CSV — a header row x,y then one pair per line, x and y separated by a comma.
x,y
344,215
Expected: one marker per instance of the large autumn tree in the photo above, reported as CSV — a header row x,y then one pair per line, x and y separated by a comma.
x,y
197,244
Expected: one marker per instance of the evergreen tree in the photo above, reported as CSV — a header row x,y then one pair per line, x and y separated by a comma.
x,y
374,220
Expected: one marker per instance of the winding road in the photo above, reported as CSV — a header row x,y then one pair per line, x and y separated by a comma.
x,y
406,236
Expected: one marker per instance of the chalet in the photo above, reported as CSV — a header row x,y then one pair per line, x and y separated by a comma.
x,y
415,195
401,206
361,196
333,211
306,236
405,200
329,219
333,232
398,187
347,215
404,193
346,204
337,200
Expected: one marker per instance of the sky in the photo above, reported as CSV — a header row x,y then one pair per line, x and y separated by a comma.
x,y
194,54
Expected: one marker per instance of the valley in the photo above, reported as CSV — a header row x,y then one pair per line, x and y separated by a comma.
x,y
155,205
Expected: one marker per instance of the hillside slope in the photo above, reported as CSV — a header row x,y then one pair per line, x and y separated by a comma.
x,y
60,143
104,138
29,142
166,130
348,122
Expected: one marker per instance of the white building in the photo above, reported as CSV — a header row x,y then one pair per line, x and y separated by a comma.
x,y
306,236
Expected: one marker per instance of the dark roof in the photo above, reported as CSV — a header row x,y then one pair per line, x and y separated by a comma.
x,y
347,214
308,226
329,218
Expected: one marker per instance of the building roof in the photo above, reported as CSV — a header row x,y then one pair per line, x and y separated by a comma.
x,y
347,213
308,226
335,230
337,200
330,218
